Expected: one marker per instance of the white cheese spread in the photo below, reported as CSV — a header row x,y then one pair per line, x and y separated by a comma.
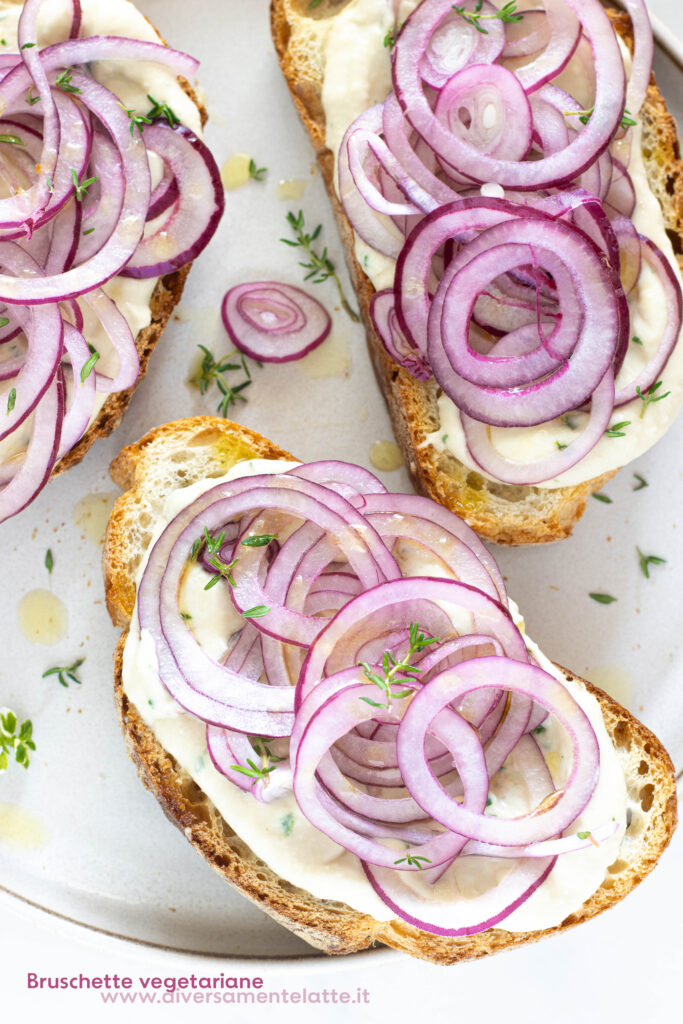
x,y
131,81
357,75
279,833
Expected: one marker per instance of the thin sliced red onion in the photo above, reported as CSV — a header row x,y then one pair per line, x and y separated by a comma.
x,y
272,322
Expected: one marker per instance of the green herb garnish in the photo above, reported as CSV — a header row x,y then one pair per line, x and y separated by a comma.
x,y
88,365
642,482
260,541
392,669
136,120
214,370
617,430
13,741
64,673
257,612
636,340
11,400
584,116
213,547
81,188
647,560
413,860
649,397
506,13
13,139
49,561
602,497
252,771
313,4
560,446
31,100
27,46
63,81
256,172
4,320
390,39
287,824
603,598
583,835
320,268
89,231
162,110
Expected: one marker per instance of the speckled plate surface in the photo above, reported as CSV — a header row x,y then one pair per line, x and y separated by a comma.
x,y
79,836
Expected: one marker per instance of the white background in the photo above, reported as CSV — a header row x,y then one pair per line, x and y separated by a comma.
x,y
624,965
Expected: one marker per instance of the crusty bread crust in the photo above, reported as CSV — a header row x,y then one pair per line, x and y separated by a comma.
x,y
499,512
165,298
173,454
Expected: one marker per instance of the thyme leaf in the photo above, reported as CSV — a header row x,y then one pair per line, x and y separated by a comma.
x,y
213,370
646,561
320,267
65,672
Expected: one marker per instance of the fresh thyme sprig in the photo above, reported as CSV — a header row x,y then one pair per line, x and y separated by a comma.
x,y
11,400
269,762
212,369
506,13
413,860
320,268
65,672
649,397
49,561
390,39
136,120
81,187
14,140
31,99
213,547
393,669
63,81
642,482
646,561
162,110
584,116
15,738
618,429
602,497
603,598
256,172
253,772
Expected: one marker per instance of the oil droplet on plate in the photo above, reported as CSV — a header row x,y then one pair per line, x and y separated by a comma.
x,y
294,188
20,828
386,456
91,514
235,171
43,618
331,359
615,681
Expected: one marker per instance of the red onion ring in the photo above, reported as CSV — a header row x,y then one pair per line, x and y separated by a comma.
x,y
274,323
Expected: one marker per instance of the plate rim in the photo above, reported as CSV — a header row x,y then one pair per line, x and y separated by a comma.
x,y
29,909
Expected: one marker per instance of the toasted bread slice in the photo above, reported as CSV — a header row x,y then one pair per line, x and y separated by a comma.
x,y
189,450
499,512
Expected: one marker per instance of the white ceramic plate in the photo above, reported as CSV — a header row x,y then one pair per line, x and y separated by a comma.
x,y
96,848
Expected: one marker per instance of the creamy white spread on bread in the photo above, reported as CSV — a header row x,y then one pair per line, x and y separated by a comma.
x,y
278,832
357,75
131,81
